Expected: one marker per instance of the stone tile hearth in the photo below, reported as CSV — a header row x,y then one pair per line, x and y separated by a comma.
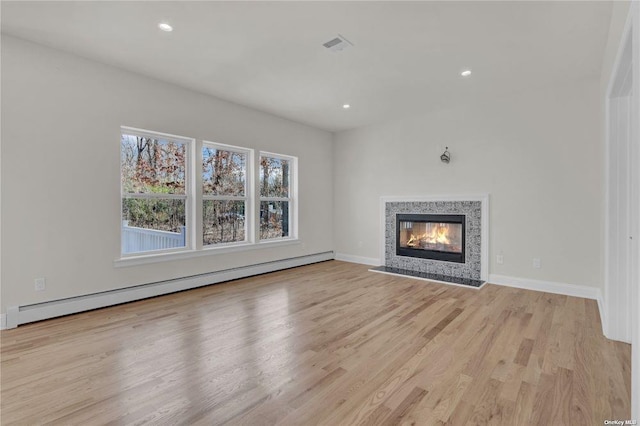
x,y
429,277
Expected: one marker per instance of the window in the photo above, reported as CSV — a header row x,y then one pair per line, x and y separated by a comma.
x,y
155,193
231,200
224,194
275,196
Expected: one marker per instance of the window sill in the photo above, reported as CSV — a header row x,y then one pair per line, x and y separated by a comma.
x,y
206,251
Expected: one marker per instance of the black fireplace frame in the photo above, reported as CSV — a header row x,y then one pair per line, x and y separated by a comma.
x,y
432,254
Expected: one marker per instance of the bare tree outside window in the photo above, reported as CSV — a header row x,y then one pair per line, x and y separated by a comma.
x,y
153,183
274,197
224,180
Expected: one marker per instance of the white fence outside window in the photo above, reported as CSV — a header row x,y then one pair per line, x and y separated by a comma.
x,y
136,239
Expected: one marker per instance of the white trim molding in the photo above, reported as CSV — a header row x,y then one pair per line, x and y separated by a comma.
x,y
621,302
484,232
620,175
603,313
3,321
206,251
546,286
371,261
17,315
634,19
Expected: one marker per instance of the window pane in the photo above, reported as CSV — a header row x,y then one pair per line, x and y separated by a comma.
x,y
152,224
150,165
274,177
274,219
222,221
223,172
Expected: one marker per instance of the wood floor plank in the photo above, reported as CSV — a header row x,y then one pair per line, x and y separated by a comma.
x,y
562,397
541,413
329,343
405,407
524,352
446,401
524,404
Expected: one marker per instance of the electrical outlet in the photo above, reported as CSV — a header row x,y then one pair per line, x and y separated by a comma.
x,y
500,259
536,263
40,284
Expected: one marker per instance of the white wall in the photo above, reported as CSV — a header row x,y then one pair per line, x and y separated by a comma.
x,y
537,153
61,118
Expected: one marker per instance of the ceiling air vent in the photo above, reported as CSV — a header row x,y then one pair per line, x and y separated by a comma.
x,y
338,44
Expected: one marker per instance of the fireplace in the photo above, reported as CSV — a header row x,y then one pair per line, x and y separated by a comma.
x,y
450,238
431,236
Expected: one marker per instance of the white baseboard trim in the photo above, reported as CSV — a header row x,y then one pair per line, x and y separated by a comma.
x,y
603,315
371,261
3,321
17,315
611,333
546,286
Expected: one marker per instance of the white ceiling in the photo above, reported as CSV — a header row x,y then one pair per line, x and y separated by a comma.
x,y
269,55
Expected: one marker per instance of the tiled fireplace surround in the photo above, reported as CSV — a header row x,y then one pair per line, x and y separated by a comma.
x,y
476,211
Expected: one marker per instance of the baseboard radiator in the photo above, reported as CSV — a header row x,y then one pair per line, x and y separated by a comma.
x,y
17,315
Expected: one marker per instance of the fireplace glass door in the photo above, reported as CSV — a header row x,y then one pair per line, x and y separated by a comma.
x,y
446,237
438,237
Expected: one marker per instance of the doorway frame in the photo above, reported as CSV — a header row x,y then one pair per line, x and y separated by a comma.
x,y
626,328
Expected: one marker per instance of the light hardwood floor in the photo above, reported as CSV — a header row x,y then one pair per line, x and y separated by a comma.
x,y
329,343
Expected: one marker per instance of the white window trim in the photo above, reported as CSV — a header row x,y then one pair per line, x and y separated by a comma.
x,y
292,199
206,251
193,196
188,195
248,195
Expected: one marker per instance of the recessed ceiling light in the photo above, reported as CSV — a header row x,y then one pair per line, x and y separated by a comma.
x,y
165,27
346,106
465,73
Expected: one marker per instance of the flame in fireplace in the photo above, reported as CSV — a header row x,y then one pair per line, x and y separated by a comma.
x,y
438,234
